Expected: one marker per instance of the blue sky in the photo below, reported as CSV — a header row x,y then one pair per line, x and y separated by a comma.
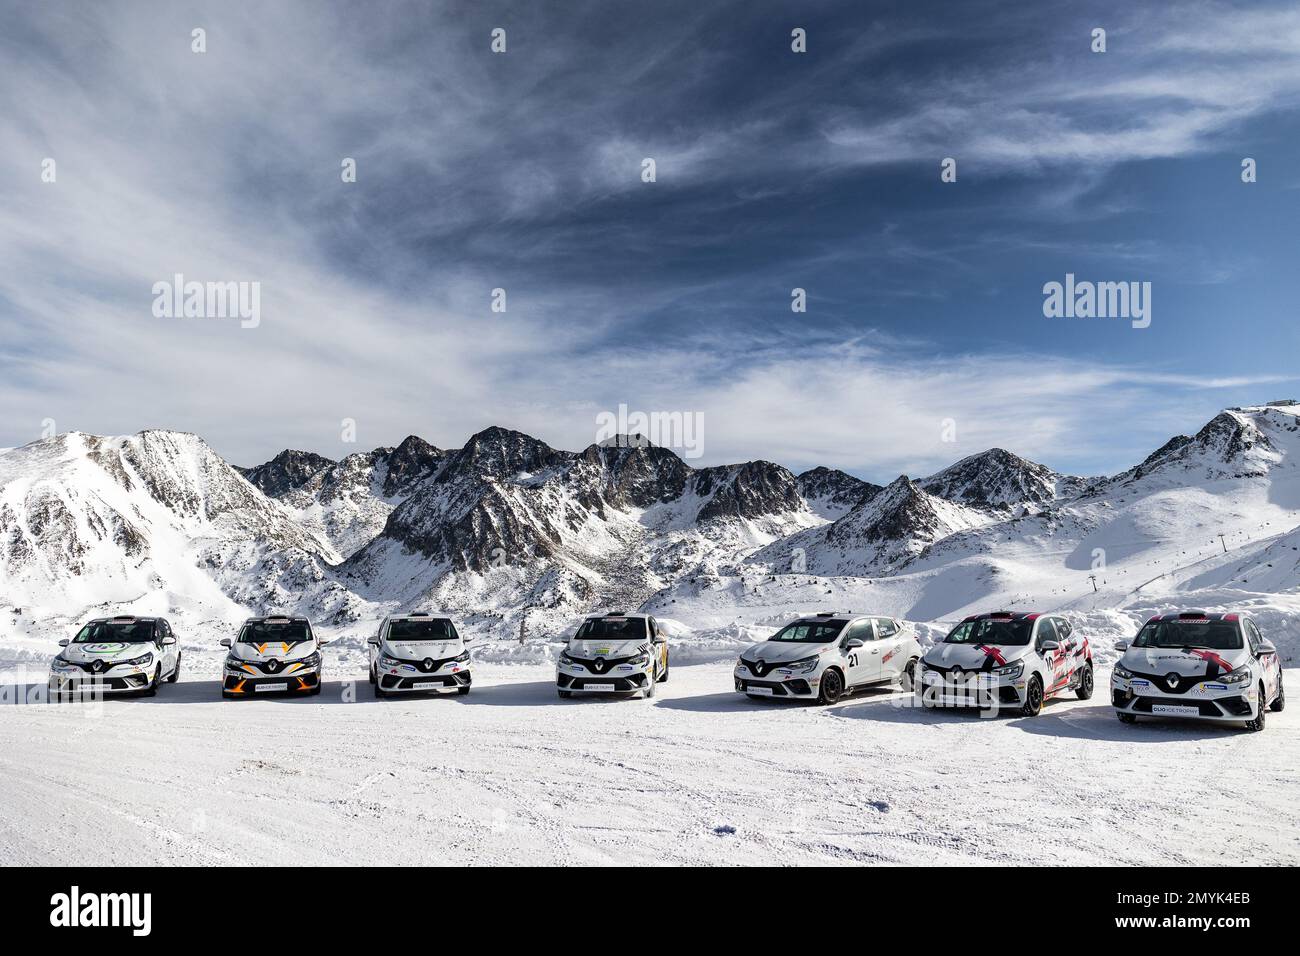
x,y
775,170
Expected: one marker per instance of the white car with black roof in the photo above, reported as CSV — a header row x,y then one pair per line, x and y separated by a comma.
x,y
826,655
1198,666
613,653
117,655
277,654
419,653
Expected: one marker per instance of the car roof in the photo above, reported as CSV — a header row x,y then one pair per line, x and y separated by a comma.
x,y
419,616
617,614
1231,617
277,617
1008,616
123,617
824,616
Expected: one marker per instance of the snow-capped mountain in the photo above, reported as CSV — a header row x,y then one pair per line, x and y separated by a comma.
x,y
1000,483
517,536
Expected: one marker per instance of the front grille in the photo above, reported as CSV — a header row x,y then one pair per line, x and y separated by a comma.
x,y
1142,705
272,668
393,682
606,664
432,666
621,684
1184,683
248,684
777,687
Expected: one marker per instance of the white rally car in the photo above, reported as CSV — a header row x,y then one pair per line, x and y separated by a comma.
x,y
1198,665
117,655
613,653
1006,659
825,655
272,655
419,653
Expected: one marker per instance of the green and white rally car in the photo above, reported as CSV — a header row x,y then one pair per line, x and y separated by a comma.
x,y
117,655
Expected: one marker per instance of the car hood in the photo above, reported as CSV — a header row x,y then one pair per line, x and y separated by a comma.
x,y
589,650
422,650
106,651
273,651
784,652
974,657
1189,662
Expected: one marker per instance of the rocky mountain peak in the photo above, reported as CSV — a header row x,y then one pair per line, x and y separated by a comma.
x,y
286,471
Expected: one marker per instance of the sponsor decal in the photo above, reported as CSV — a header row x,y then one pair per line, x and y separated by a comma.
x,y
992,655
1214,663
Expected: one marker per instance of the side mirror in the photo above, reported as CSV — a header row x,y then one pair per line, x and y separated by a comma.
x,y
852,642
225,642
64,643
467,640
1266,647
1049,646
322,643
168,641
374,641
1121,646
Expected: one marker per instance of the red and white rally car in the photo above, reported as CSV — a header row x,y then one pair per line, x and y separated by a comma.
x,y
1006,659
1198,665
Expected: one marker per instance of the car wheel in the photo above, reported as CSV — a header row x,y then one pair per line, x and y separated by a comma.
x,y
176,671
1033,704
371,675
1279,702
649,689
832,687
1086,683
663,678
379,690
908,679
1257,724
565,694
1126,718
151,689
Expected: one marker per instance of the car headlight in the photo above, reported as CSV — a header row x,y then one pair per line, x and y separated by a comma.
x,y
462,658
235,663
1240,676
63,662
311,660
386,661
639,661
1011,671
141,661
804,665
1122,672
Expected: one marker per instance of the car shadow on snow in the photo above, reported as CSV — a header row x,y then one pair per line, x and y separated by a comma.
x,y
1098,722
532,693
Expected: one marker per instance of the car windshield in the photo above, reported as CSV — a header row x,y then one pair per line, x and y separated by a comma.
x,y
988,630
1214,635
121,632
809,632
264,632
612,629
435,629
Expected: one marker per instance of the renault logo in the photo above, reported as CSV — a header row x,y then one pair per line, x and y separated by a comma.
x,y
598,665
1172,680
97,666
760,668
271,666
427,664
957,673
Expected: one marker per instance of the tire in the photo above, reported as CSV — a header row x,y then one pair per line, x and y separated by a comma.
x,y
1033,705
663,678
176,671
832,687
564,694
380,693
1086,683
907,680
1126,718
462,691
1279,702
1256,724
151,689
649,691
371,675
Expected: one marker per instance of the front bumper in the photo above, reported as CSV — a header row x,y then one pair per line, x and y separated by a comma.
x,y
977,689
1207,700
778,683
410,680
116,679
241,683
618,679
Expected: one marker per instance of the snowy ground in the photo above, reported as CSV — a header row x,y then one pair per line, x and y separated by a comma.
x,y
511,774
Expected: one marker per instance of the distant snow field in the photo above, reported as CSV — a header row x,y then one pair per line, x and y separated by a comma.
x,y
698,775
